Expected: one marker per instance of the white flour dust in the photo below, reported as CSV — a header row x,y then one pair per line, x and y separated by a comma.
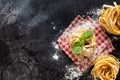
x,y
53,24
115,38
54,27
55,45
94,13
55,56
72,73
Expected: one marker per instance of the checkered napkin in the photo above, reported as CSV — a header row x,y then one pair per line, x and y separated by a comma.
x,y
104,44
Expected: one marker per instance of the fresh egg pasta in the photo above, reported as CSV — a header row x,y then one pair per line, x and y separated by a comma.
x,y
110,18
83,42
106,67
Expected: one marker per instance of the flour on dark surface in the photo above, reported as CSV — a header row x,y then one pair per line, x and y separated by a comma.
x,y
72,73
94,13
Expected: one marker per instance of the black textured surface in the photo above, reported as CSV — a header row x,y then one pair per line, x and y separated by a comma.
x,y
28,29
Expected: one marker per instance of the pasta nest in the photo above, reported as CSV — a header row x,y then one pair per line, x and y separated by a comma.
x,y
106,67
89,46
110,18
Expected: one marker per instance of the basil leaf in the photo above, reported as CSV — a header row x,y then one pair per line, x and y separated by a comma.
x,y
83,36
89,34
78,46
79,42
77,49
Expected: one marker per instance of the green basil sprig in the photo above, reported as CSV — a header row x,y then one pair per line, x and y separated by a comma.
x,y
79,44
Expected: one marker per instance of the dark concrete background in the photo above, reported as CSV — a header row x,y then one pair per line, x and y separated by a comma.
x,y
28,30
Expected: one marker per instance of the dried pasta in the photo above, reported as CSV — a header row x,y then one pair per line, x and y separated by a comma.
x,y
106,67
110,18
89,46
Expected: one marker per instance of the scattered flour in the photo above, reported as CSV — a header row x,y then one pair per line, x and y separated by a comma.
x,y
94,13
115,37
55,45
72,73
55,56
52,23
54,27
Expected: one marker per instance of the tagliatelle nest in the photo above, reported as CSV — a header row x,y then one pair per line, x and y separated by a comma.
x,y
105,68
89,46
110,18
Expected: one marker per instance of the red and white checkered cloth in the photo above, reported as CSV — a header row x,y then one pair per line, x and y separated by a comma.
x,y
104,44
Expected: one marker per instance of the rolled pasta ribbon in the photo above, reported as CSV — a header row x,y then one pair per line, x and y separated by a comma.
x,y
110,18
106,67
89,46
